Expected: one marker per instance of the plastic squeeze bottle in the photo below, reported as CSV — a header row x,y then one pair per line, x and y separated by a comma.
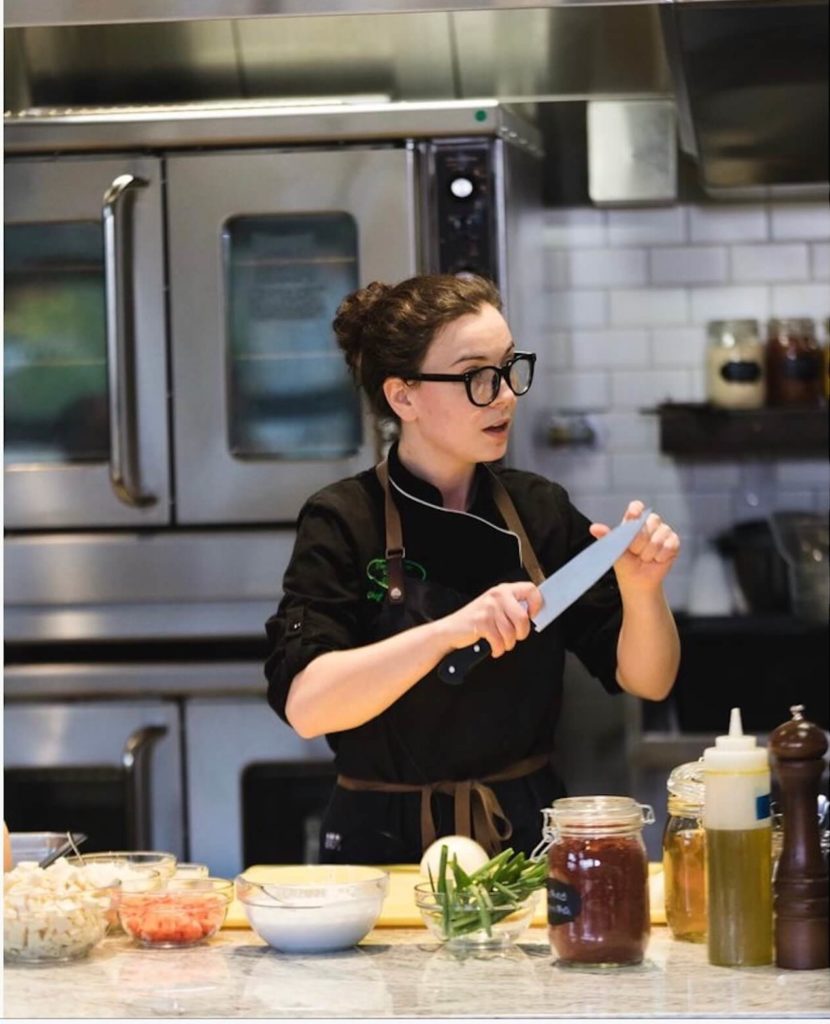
x,y
738,828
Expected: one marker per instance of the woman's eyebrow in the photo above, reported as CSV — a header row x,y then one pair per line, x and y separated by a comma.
x,y
471,358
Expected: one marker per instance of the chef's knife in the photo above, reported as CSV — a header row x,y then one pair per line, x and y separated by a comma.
x,y
559,591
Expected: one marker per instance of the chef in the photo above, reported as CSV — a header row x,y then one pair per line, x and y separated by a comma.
x,y
430,551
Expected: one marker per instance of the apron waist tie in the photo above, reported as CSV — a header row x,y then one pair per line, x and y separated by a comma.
x,y
477,809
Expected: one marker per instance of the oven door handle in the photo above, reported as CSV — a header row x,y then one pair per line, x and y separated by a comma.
x,y
125,467
136,761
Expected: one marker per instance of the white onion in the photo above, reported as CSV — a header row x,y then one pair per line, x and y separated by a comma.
x,y
471,856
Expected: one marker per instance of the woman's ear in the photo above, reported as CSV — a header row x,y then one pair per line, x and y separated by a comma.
x,y
399,396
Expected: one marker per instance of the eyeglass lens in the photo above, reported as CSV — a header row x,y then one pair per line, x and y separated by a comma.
x,y
485,383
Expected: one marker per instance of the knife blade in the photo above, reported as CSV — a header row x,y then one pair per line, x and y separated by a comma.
x,y
559,591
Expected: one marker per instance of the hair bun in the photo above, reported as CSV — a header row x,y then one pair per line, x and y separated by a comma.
x,y
352,317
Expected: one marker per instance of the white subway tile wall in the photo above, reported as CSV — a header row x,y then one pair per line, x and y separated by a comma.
x,y
628,297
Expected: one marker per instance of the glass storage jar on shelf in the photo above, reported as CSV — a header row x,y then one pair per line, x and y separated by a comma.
x,y
598,899
793,362
684,854
735,377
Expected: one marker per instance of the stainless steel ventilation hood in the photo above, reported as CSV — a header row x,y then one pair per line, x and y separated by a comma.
x,y
748,78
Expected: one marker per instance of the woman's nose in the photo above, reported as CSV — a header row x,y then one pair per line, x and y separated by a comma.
x,y
505,394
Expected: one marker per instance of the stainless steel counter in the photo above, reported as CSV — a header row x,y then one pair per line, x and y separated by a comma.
x,y
403,973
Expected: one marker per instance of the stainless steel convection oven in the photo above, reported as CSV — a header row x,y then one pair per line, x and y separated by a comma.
x,y
173,392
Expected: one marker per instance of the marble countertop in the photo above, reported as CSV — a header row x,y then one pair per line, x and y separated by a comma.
x,y
403,973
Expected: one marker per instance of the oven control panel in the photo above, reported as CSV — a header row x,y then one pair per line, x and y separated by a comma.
x,y
465,206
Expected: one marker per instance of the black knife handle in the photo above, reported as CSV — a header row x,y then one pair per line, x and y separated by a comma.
x,y
453,667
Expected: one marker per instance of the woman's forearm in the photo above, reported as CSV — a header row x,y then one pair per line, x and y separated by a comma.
x,y
343,689
648,648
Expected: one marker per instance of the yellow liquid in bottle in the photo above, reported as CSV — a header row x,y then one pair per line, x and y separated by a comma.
x,y
684,871
739,865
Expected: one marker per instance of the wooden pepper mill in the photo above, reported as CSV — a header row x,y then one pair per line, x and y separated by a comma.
x,y
800,889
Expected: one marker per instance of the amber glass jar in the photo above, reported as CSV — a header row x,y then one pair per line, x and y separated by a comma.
x,y
684,854
598,905
793,359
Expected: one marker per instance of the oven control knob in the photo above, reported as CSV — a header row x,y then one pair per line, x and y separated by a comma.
x,y
461,187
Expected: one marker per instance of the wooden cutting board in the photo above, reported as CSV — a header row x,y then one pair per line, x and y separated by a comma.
x,y
399,910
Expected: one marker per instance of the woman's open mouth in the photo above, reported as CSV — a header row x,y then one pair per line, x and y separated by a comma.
x,y
499,429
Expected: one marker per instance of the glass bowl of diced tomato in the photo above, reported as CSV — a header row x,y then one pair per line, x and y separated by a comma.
x,y
185,912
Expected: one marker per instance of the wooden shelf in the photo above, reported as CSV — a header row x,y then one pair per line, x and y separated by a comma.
x,y
700,430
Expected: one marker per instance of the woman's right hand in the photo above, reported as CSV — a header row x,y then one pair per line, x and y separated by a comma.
x,y
501,616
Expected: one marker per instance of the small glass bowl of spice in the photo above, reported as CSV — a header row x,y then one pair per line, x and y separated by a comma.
x,y
598,896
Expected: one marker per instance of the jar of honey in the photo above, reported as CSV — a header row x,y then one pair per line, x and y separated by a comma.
x,y
793,360
598,902
684,854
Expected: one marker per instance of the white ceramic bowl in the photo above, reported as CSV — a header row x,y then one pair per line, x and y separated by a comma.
x,y
314,908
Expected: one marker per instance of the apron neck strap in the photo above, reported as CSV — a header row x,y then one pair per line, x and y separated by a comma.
x,y
395,551
505,505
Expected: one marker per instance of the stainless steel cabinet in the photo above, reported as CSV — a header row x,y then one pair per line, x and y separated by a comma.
x,y
136,742
263,246
224,737
86,438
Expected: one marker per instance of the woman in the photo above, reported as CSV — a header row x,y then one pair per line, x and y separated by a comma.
x,y
434,549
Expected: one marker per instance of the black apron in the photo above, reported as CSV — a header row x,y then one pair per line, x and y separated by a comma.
x,y
373,821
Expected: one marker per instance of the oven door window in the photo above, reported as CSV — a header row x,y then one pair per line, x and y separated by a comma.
x,y
81,798
290,393
54,357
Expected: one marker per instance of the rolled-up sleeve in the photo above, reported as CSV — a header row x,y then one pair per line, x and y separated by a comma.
x,y
320,607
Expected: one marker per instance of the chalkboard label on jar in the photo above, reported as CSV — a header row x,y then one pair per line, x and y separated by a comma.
x,y
793,362
741,371
564,902
802,367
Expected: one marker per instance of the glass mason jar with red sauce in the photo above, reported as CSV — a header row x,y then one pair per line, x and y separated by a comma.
x,y
598,905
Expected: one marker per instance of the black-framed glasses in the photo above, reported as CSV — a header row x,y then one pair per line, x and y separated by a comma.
x,y
484,382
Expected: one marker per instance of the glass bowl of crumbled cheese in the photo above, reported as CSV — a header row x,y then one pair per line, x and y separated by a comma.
x,y
51,914
157,860
118,875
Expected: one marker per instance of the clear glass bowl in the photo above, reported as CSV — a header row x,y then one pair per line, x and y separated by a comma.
x,y
110,875
54,927
313,908
184,912
191,870
467,926
158,860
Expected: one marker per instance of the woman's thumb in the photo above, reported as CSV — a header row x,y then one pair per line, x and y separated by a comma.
x,y
598,530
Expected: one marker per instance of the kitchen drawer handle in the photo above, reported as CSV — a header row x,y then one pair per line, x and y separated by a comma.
x,y
125,469
136,762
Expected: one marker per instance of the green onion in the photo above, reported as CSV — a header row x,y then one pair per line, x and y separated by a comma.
x,y
470,902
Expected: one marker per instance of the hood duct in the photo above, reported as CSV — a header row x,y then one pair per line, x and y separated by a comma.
x,y
749,79
751,83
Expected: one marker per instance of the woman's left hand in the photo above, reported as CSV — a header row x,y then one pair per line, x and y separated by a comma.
x,y
647,559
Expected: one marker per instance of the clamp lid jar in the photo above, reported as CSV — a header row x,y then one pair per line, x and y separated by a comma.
x,y
735,377
793,361
598,903
684,854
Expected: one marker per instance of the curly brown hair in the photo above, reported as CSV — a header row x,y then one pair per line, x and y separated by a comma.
x,y
385,330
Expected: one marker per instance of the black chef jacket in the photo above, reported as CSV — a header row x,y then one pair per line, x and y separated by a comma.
x,y
334,599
